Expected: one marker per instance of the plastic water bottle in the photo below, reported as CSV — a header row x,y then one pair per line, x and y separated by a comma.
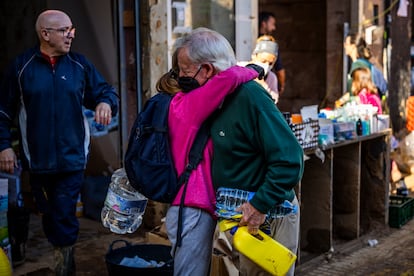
x,y
228,200
124,206
283,209
359,127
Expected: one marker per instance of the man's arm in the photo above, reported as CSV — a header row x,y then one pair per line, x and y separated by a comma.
x,y
281,79
97,90
280,73
283,157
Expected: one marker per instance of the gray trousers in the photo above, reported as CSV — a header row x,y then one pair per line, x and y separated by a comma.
x,y
193,257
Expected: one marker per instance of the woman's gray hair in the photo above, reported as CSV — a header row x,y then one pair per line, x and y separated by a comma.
x,y
207,46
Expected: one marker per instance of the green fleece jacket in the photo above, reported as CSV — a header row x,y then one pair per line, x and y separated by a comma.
x,y
255,149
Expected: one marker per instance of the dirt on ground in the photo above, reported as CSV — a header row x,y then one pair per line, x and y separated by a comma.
x,y
392,255
90,250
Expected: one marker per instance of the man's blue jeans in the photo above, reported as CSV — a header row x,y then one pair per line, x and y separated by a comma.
x,y
56,196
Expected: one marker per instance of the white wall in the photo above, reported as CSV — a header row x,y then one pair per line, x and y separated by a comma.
x,y
246,28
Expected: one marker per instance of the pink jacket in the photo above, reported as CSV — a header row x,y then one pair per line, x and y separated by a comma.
x,y
187,112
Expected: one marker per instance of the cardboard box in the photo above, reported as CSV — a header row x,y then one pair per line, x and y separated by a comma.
x,y
154,238
222,265
154,214
221,261
158,236
104,157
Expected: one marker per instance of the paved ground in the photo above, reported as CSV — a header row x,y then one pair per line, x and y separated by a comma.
x,y
393,255
94,242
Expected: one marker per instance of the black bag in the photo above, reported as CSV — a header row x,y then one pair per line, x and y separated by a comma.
x,y
148,162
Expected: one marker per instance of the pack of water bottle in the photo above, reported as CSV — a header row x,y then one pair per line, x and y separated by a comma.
x,y
124,206
229,200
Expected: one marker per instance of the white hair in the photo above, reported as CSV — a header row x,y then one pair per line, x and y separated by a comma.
x,y
207,46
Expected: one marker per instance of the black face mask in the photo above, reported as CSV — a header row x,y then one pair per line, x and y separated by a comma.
x,y
188,84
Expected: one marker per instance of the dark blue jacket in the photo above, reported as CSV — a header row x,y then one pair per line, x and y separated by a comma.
x,y
49,101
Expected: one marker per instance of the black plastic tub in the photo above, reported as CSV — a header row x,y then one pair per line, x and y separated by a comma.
x,y
156,252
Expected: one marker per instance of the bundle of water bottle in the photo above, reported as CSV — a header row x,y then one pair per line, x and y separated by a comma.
x,y
229,200
124,206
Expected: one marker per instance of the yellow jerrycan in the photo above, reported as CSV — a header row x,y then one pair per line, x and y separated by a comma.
x,y
264,251
5,267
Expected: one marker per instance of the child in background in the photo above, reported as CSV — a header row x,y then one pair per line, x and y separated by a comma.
x,y
363,87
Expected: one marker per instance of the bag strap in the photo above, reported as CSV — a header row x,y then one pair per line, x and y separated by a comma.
x,y
194,158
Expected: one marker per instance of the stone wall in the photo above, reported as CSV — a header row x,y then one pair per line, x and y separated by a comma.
x,y
310,35
301,34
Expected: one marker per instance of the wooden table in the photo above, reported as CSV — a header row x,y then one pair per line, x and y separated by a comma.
x,y
346,195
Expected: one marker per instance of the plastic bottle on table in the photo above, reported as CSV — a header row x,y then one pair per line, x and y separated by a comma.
x,y
124,206
359,127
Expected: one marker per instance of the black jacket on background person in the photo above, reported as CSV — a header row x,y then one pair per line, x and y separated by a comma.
x,y
49,102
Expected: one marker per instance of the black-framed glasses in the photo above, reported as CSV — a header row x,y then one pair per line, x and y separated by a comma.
x,y
65,31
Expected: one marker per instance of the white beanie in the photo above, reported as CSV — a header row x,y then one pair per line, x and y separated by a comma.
x,y
266,46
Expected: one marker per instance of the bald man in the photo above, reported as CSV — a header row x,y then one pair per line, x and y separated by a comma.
x,y
46,88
